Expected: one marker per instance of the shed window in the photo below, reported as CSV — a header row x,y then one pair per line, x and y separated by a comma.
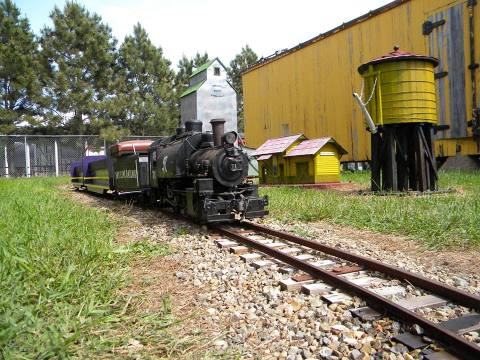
x,y
285,129
216,71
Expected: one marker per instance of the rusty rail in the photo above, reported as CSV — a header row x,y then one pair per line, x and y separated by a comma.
x,y
459,296
456,343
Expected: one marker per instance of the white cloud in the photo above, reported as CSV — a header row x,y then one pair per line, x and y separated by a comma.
x,y
223,27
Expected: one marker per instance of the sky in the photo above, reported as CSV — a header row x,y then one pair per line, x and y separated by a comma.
x,y
220,27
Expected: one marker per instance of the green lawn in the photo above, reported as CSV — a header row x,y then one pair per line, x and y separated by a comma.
x,y
60,272
438,220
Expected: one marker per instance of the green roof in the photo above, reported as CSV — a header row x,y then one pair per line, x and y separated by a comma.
x,y
203,67
192,89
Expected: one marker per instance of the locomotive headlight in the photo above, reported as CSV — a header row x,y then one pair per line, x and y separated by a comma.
x,y
230,138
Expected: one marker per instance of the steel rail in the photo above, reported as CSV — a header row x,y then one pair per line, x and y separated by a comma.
x,y
458,296
454,342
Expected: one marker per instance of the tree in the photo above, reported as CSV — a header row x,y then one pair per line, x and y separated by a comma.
x,y
147,97
200,59
79,52
20,78
240,63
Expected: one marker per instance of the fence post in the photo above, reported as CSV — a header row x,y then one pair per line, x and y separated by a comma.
x,y
6,162
27,158
56,158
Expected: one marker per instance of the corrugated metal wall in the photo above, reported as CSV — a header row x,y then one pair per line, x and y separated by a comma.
x,y
310,90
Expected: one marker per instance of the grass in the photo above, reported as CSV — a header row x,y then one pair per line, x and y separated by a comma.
x,y
439,221
60,275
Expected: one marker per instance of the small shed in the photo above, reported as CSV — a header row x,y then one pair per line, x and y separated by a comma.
x,y
272,164
296,160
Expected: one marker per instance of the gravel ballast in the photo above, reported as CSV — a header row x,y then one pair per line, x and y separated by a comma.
x,y
247,314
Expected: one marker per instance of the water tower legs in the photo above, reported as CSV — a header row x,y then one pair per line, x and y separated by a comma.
x,y
403,158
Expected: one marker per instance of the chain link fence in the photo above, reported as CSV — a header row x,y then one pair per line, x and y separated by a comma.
x,y
47,155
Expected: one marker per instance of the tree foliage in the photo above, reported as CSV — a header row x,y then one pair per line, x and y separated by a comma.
x,y
79,52
240,63
147,100
73,78
20,75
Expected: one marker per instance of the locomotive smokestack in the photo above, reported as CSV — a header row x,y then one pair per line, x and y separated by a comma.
x,y
218,128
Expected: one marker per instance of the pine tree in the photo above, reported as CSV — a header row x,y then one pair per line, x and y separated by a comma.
x,y
147,98
20,73
186,67
200,59
79,51
240,63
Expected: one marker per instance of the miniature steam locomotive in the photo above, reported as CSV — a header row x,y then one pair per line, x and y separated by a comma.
x,y
199,174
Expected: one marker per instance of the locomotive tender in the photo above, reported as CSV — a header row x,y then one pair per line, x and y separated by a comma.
x,y
199,174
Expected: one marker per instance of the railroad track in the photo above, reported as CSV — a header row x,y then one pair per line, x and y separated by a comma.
x,y
320,269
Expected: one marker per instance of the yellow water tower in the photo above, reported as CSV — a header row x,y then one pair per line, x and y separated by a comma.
x,y
400,109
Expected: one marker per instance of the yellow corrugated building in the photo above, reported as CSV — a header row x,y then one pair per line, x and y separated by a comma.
x,y
296,160
308,89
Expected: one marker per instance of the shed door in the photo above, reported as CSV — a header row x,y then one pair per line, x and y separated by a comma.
x,y
446,40
302,172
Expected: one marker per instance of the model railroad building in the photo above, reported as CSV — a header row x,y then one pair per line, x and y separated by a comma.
x,y
210,96
297,160
308,88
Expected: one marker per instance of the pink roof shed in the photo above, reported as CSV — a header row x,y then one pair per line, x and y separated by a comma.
x,y
311,147
275,146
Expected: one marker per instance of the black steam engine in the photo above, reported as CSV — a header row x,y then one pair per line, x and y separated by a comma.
x,y
199,174
203,174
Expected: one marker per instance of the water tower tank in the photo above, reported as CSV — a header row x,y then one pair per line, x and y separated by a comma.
x,y
401,112
402,88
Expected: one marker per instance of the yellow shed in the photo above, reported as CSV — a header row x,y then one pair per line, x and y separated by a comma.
x,y
301,161
272,165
